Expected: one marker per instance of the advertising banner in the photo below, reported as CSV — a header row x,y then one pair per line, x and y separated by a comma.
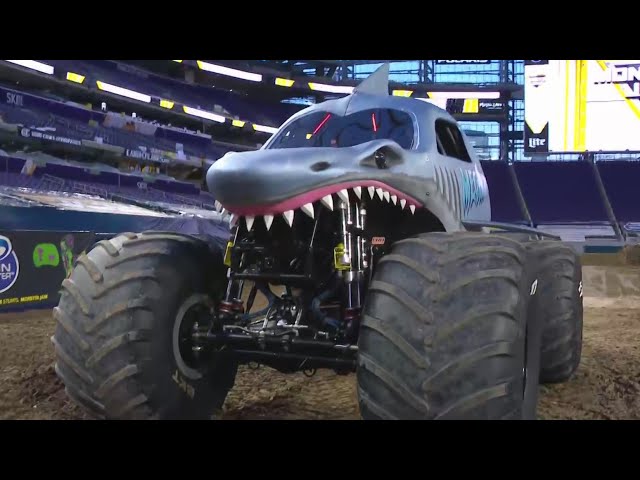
x,y
149,156
582,105
537,85
33,265
50,136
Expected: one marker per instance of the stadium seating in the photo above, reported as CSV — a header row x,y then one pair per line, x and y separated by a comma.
x,y
561,192
621,181
81,124
73,179
505,206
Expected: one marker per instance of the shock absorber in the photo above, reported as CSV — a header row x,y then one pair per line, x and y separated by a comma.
x,y
351,261
232,304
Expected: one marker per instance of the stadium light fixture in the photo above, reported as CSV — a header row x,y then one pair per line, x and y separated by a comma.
x,y
203,114
34,65
461,95
75,77
167,104
264,129
402,93
238,123
124,92
229,72
179,61
284,82
322,87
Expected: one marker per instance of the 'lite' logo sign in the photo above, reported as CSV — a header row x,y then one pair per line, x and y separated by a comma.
x,y
537,142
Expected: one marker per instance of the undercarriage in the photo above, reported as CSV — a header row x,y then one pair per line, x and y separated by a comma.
x,y
312,273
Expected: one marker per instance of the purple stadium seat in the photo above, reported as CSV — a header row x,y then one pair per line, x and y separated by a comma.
x,y
502,193
561,192
621,181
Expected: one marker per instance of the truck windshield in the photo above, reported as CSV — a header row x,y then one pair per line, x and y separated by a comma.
x,y
324,129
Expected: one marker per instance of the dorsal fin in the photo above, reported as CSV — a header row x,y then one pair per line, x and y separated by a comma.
x,y
377,83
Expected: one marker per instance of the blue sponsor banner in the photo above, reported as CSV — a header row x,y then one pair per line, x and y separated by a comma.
x,y
33,265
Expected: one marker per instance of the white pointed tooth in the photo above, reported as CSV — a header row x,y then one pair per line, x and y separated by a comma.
x,y
288,216
344,195
308,209
380,193
268,220
327,201
218,206
403,202
358,192
223,211
412,208
372,191
394,199
249,221
387,196
233,219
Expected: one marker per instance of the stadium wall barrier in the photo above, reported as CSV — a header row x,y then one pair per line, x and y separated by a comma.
x,y
33,265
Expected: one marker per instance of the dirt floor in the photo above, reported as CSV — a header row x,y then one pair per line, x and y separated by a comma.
x,y
606,385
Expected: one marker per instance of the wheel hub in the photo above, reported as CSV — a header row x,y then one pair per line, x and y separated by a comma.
x,y
191,315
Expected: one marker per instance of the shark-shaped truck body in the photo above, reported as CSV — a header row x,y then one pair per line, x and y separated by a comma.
x,y
360,241
329,148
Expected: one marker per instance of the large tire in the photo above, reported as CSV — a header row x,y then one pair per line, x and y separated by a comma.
x,y
444,332
117,335
560,309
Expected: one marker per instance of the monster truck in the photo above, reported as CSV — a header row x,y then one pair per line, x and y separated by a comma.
x,y
365,224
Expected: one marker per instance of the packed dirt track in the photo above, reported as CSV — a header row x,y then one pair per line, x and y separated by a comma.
x,y
606,385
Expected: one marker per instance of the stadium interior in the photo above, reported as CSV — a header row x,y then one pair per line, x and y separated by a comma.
x,y
143,133
101,147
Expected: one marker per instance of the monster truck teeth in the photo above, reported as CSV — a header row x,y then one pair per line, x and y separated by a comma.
x,y
344,195
288,217
218,206
328,202
306,203
268,220
308,209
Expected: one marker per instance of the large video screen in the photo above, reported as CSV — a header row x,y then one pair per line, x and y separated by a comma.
x,y
579,105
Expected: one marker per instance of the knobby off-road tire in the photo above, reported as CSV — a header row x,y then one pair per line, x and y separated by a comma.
x,y
445,332
560,308
116,338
